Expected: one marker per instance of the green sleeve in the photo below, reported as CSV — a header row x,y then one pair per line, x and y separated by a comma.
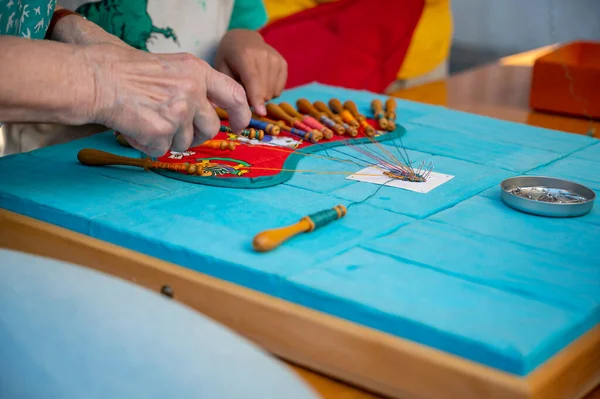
x,y
248,14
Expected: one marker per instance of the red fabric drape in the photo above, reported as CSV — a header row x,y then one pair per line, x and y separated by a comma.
x,y
358,44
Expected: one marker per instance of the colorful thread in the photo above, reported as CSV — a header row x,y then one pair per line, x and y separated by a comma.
x,y
325,217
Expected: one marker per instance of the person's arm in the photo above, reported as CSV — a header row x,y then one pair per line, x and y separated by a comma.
x,y
44,81
244,55
75,29
157,101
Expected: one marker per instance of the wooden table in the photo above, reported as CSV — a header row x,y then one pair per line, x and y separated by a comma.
x,y
499,90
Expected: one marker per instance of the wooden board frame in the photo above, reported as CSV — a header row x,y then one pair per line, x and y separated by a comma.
x,y
335,347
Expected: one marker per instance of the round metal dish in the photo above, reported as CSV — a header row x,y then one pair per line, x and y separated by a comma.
x,y
547,196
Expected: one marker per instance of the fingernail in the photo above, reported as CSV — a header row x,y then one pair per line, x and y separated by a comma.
x,y
261,110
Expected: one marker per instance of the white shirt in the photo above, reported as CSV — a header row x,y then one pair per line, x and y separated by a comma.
x,y
162,26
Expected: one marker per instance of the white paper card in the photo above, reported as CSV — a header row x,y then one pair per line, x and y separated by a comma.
x,y
376,176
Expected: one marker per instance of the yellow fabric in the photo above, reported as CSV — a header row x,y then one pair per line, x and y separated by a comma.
x,y
430,45
431,41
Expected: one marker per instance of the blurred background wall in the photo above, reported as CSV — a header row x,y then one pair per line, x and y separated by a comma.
x,y
485,30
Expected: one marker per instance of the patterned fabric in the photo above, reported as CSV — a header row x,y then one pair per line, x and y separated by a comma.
x,y
160,26
26,18
265,163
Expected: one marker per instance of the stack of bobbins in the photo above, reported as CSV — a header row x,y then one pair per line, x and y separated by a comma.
x,y
353,109
307,108
349,117
288,129
307,120
297,126
322,107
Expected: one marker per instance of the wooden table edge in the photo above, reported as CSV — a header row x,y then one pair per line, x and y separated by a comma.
x,y
376,361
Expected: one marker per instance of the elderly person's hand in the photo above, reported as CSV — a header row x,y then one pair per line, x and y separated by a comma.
x,y
244,55
159,102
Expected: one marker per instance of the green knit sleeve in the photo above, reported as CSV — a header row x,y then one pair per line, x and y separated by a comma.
x,y
248,14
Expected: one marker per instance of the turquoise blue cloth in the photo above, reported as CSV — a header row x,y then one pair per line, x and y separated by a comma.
x,y
454,269
67,332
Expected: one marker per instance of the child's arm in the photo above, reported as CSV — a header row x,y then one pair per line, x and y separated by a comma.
x,y
244,55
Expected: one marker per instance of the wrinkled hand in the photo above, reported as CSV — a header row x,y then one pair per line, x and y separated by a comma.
x,y
162,102
244,55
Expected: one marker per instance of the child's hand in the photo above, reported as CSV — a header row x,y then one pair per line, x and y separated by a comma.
x,y
244,55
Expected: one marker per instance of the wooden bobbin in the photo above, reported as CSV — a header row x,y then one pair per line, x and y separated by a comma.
x,y
391,126
377,108
290,110
307,120
267,127
369,130
222,113
271,239
276,111
215,144
270,128
273,130
219,144
92,157
278,123
313,137
321,106
253,134
287,108
337,107
390,108
351,107
306,107
351,131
